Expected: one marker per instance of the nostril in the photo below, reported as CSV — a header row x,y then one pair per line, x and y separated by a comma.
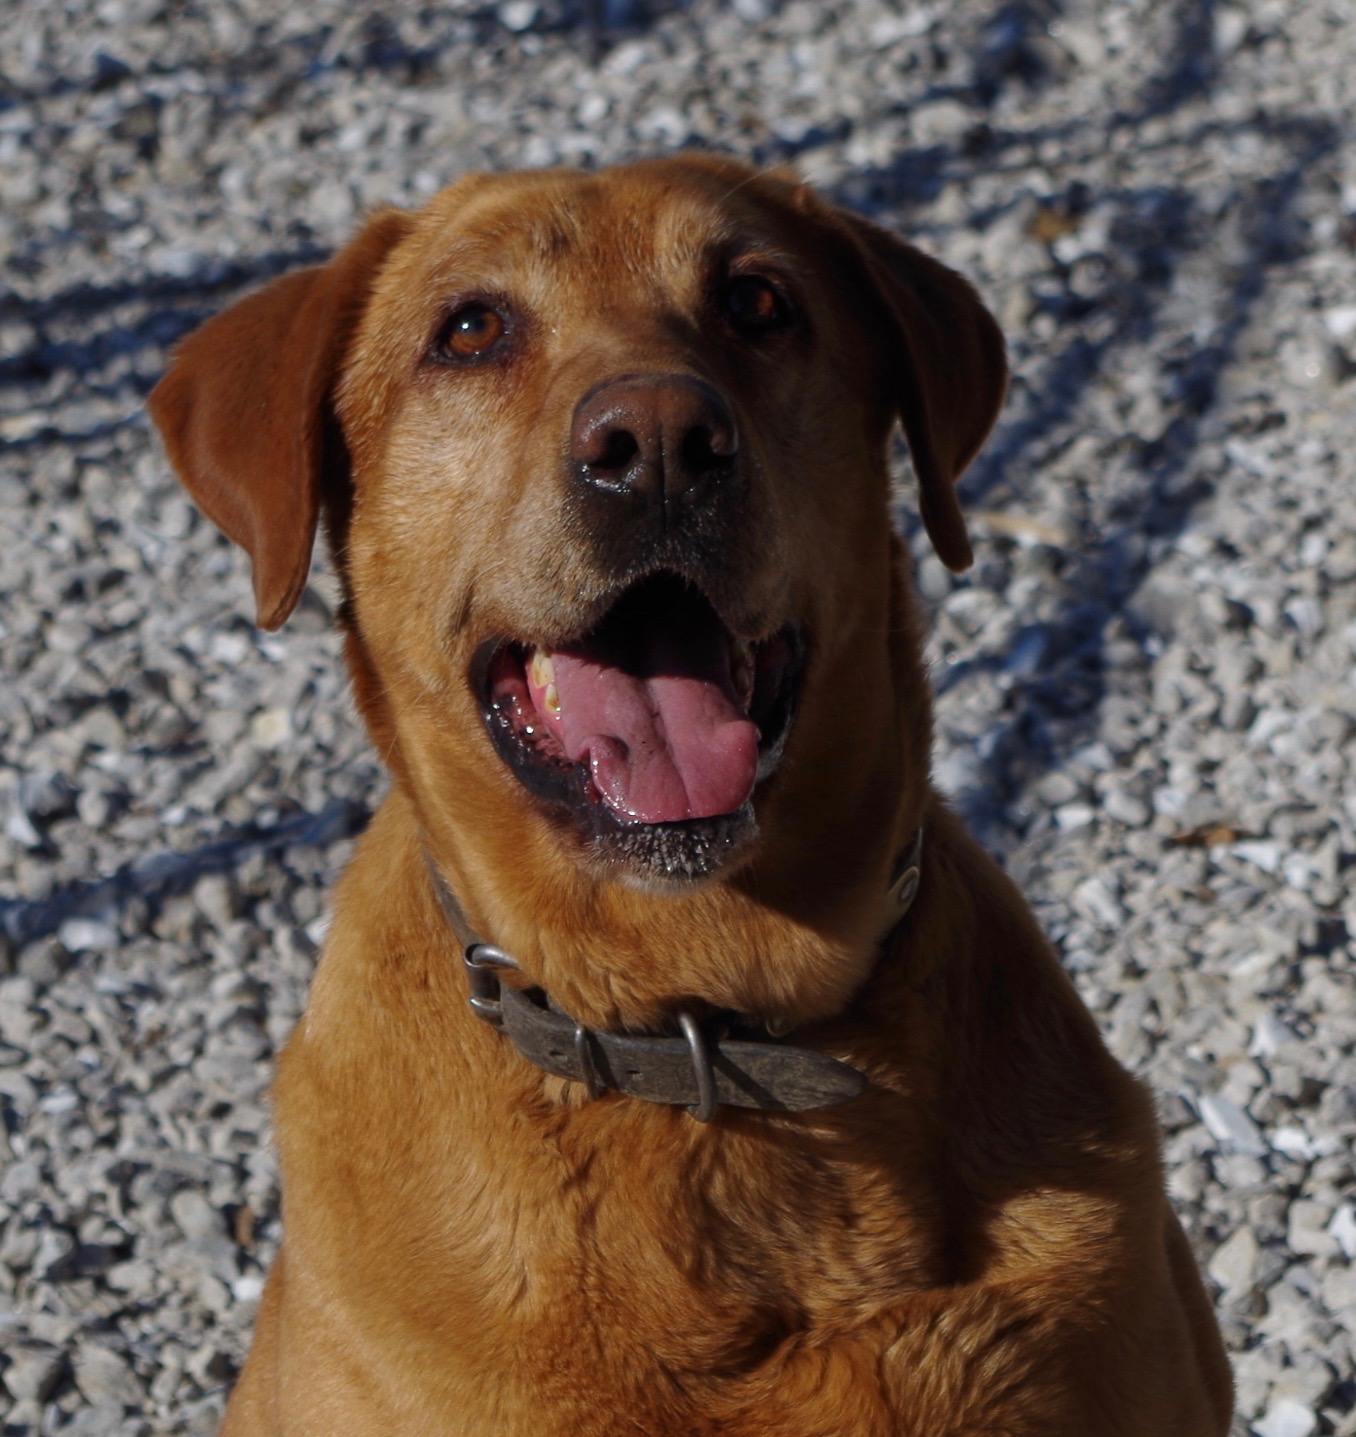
x,y
703,449
619,449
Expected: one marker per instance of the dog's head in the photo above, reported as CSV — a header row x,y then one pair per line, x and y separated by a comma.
x,y
604,462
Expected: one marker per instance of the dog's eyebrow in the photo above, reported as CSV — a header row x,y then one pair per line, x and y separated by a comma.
x,y
747,249
485,247
553,235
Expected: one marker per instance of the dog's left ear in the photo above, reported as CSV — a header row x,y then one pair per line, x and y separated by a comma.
x,y
243,409
947,371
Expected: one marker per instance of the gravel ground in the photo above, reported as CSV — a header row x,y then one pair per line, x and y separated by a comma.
x,y
1146,682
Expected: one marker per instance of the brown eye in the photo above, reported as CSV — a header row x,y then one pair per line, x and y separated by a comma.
x,y
471,331
754,304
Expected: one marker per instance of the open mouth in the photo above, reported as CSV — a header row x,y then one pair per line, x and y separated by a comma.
x,y
658,716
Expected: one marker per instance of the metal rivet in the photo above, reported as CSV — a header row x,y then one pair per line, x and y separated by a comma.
x,y
907,888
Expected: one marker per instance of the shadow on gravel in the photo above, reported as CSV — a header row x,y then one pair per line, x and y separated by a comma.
x,y
375,43
157,878
1057,666
372,44
1192,65
110,343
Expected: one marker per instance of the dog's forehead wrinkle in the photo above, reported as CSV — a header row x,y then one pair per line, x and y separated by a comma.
x,y
648,243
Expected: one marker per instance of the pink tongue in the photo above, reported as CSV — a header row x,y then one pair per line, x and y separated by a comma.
x,y
662,746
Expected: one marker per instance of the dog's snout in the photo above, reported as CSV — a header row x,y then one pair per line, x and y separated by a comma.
x,y
657,443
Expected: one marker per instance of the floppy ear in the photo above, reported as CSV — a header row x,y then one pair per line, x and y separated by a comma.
x,y
948,372
242,409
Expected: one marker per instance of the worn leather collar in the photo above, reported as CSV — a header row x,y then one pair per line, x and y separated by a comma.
x,y
704,1065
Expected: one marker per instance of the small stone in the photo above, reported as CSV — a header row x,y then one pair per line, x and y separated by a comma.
x,y
209,1365
87,935
271,728
1266,856
217,899
136,1278
1231,27
195,1216
249,1287
517,15
1270,1035
20,1181
20,828
1293,1142
34,1369
1286,1418
1073,816
104,1377
1307,1228
1337,1109
1238,1172
1230,1126
1341,321
1234,1263
1342,1229
1058,788
1095,901
46,795
103,1419
1125,808
55,1248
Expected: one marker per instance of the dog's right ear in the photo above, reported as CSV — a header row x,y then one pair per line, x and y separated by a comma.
x,y
242,409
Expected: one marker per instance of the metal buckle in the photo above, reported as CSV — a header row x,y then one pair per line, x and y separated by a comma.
x,y
481,961
705,1108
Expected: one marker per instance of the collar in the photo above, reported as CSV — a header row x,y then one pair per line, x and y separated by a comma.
x,y
705,1065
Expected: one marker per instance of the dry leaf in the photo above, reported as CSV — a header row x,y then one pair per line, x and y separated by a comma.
x,y
1024,531
1209,835
1047,225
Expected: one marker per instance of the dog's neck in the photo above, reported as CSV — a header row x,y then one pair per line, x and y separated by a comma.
x,y
696,1067
898,898
784,953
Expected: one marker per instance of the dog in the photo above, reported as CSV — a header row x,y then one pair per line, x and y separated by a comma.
x,y
675,1063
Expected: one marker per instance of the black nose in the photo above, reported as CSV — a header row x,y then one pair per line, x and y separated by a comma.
x,y
660,445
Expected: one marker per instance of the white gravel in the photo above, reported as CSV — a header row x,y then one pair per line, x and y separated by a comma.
x,y
1147,700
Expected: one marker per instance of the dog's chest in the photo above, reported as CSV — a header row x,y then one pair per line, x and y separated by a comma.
x,y
629,1271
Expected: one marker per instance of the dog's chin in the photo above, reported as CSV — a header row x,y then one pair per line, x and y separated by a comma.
x,y
667,859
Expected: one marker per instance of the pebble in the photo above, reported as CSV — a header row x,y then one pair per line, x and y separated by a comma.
x,y
1286,1419
1342,1229
1231,1126
103,1377
33,1370
1234,1264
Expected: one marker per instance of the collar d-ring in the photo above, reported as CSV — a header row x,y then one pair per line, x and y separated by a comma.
x,y
704,1109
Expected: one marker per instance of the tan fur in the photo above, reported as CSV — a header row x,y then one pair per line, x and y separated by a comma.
x,y
981,1244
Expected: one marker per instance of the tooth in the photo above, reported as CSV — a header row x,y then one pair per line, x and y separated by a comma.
x,y
541,670
741,668
551,698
